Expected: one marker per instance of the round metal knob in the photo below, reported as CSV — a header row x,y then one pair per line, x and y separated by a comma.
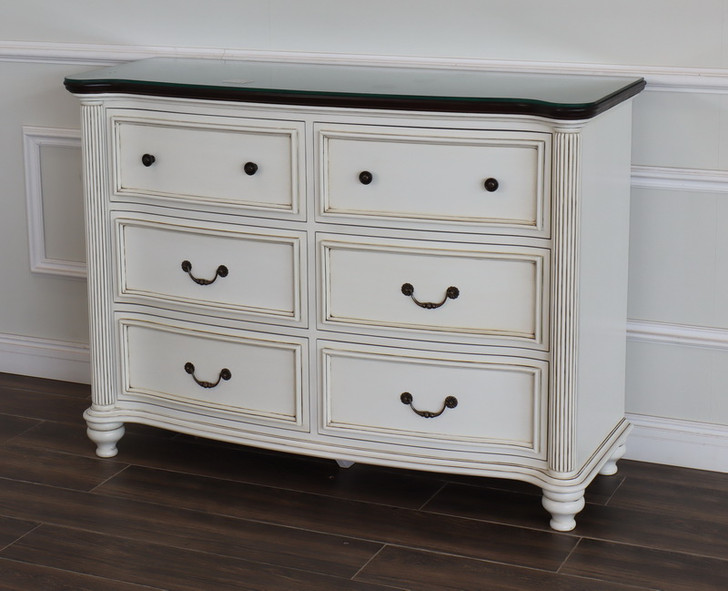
x,y
491,185
250,168
365,177
148,159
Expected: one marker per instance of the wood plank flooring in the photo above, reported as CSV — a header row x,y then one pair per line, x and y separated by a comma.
x,y
179,513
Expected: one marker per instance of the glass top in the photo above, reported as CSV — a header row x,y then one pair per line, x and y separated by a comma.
x,y
559,96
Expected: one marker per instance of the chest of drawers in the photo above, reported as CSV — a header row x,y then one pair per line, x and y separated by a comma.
x,y
418,269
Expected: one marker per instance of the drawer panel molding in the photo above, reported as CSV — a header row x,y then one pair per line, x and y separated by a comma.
x,y
428,399
497,179
206,370
251,271
244,164
467,289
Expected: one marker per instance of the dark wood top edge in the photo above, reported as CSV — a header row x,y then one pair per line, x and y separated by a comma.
x,y
475,105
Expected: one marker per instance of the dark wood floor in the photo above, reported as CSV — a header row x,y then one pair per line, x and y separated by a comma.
x,y
176,512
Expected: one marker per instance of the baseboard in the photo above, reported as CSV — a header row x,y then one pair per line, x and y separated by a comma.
x,y
678,443
45,358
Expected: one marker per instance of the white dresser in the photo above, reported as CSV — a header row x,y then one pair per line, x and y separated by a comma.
x,y
419,269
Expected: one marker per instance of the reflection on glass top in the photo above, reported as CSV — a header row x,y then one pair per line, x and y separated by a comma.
x,y
241,77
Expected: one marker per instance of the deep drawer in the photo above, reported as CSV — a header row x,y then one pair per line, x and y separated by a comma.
x,y
213,267
434,399
485,290
497,179
192,369
240,163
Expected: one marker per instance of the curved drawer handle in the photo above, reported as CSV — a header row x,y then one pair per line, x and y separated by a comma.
x,y
221,271
450,402
451,293
224,375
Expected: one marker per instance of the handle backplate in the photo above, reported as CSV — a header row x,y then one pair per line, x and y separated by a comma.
x,y
451,293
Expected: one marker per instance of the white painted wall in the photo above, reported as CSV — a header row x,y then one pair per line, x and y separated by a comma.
x,y
678,350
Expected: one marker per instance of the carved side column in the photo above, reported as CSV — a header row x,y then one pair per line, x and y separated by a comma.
x,y
565,303
103,371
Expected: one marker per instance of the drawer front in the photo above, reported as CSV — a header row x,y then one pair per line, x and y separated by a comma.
x,y
434,399
490,178
255,377
211,267
491,290
236,163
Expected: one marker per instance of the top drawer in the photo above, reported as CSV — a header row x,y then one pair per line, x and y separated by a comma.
x,y
243,163
498,179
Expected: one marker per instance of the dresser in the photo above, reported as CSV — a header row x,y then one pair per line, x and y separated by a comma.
x,y
424,269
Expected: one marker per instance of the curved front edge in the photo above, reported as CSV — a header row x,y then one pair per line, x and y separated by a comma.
x,y
105,433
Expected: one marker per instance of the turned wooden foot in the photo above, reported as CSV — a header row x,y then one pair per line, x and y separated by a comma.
x,y
105,436
563,507
610,467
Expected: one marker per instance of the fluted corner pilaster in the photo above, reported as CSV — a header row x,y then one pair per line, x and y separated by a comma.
x,y
95,178
565,302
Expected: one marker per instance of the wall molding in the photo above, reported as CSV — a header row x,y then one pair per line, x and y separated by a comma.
x,y
680,179
659,78
45,358
664,333
33,139
677,442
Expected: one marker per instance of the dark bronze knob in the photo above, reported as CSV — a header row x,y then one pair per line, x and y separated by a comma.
x,y
365,177
250,168
491,185
148,160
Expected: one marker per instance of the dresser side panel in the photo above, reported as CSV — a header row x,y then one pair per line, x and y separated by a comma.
x,y
606,156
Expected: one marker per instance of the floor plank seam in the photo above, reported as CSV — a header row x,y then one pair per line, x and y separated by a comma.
x,y
269,486
654,548
348,536
492,521
79,574
614,492
123,468
566,558
368,562
24,432
173,547
432,496
15,541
